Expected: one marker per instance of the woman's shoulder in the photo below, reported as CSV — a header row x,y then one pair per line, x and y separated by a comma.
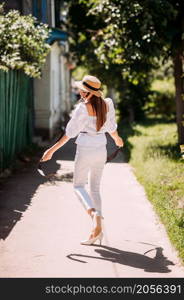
x,y
110,103
80,108
108,100
79,105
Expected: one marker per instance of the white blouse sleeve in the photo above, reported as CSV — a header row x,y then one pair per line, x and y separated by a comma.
x,y
77,122
111,123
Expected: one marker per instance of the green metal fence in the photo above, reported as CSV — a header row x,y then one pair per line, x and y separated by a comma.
x,y
16,106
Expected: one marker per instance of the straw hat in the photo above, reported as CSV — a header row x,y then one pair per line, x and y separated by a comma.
x,y
90,84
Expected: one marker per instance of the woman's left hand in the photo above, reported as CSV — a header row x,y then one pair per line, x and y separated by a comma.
x,y
47,155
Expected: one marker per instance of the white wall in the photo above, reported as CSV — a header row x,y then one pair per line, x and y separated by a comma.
x,y
42,97
55,99
52,91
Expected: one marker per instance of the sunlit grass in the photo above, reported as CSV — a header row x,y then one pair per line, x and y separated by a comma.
x,y
155,156
162,86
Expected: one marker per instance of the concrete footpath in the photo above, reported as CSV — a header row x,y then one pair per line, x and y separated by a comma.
x,y
42,223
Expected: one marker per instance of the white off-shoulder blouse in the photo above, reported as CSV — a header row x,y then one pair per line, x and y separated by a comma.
x,y
82,121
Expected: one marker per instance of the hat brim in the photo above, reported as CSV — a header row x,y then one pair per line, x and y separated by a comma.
x,y
80,86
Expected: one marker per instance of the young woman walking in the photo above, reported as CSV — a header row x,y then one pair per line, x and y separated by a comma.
x,y
91,118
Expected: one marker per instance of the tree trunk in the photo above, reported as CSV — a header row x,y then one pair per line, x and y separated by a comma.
x,y
179,86
111,93
131,115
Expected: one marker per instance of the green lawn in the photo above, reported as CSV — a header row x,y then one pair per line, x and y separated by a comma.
x,y
152,149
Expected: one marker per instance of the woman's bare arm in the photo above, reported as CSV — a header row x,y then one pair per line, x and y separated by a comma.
x,y
50,151
117,139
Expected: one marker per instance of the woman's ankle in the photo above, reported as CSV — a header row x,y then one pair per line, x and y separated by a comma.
x,y
97,230
91,212
97,221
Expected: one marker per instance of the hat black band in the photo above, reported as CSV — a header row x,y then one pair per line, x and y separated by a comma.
x,y
89,86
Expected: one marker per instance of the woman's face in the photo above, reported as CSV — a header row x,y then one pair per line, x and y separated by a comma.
x,y
83,94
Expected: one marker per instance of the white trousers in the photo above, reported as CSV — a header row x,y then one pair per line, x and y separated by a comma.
x,y
88,168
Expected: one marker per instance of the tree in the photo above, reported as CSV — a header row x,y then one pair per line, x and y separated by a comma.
x,y
85,29
131,36
137,33
22,43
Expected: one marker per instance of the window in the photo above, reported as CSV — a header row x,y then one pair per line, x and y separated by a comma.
x,y
40,10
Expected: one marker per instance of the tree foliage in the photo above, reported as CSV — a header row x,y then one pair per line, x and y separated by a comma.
x,y
22,43
129,38
86,29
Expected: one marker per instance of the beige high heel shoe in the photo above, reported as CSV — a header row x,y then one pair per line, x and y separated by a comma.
x,y
93,240
96,217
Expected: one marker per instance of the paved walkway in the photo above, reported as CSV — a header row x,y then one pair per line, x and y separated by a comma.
x,y
42,223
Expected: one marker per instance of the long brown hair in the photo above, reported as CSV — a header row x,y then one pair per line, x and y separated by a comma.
x,y
100,109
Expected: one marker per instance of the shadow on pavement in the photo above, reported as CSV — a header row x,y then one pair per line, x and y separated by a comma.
x,y
15,198
158,264
18,190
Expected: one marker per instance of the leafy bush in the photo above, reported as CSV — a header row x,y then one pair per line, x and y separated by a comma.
x,y
22,43
162,96
133,98
161,103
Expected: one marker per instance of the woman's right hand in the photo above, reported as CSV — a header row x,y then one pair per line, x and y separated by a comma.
x,y
119,142
47,155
